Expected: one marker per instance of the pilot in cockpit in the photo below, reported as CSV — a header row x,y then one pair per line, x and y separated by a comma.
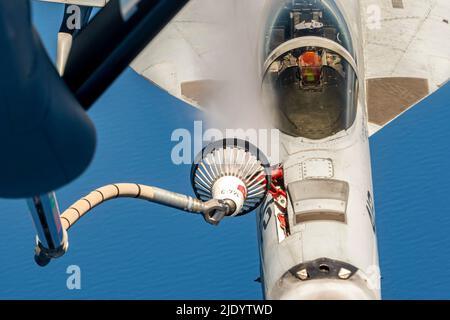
x,y
310,63
305,67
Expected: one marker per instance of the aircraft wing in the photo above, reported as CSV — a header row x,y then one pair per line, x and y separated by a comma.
x,y
189,57
406,52
179,59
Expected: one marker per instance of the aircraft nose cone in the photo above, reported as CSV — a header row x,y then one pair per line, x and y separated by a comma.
x,y
326,289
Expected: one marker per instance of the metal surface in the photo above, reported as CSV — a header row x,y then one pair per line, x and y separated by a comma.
x,y
51,239
232,158
75,18
388,98
323,268
133,190
110,43
45,214
408,42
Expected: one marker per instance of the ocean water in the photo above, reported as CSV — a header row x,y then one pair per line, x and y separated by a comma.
x,y
132,249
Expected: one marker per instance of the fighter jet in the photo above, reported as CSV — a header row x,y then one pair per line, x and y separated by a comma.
x,y
330,73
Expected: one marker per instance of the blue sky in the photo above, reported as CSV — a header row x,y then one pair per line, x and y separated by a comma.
x,y
135,249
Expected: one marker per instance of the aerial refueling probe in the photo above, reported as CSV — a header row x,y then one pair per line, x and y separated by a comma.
x,y
230,178
212,210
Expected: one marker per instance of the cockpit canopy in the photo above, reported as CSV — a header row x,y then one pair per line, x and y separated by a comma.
x,y
310,72
314,91
289,19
